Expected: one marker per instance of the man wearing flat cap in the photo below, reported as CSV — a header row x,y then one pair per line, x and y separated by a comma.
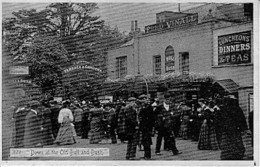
x,y
164,124
32,133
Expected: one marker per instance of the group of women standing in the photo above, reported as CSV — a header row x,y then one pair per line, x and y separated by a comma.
x,y
221,122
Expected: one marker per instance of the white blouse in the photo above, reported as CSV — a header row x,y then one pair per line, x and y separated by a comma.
x,y
65,112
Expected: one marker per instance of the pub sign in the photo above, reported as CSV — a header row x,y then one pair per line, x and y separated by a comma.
x,y
234,48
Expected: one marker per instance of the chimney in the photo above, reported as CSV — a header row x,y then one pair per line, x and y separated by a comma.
x,y
136,26
132,26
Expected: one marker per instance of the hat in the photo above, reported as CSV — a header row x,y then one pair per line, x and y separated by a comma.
x,y
201,100
142,96
34,103
131,99
167,95
66,102
232,97
186,108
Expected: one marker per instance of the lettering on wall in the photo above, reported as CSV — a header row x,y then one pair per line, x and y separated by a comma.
x,y
187,20
169,59
234,48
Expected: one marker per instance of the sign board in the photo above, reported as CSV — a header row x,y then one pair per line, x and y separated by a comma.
x,y
105,99
194,97
251,102
187,20
58,99
234,48
19,70
59,152
169,60
185,89
77,67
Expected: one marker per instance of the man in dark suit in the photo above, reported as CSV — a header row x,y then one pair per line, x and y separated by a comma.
x,y
131,126
146,118
164,125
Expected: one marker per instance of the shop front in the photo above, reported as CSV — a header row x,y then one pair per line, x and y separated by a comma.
x,y
233,63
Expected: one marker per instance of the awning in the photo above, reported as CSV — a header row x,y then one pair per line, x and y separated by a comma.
x,y
228,84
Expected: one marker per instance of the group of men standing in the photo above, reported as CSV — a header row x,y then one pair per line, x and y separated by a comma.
x,y
141,119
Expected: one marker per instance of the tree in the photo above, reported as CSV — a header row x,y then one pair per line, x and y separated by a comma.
x,y
44,57
68,20
69,26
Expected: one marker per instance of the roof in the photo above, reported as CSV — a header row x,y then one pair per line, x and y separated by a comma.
x,y
129,43
228,84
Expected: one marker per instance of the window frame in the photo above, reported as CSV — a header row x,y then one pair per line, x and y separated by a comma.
x,y
121,71
155,68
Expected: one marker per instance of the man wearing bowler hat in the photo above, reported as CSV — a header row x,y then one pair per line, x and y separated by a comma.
x,y
164,123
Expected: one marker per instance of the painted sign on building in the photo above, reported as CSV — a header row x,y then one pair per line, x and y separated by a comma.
x,y
169,60
187,20
234,48
77,67
19,70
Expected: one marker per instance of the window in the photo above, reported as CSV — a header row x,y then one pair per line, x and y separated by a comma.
x,y
169,59
157,65
121,66
184,62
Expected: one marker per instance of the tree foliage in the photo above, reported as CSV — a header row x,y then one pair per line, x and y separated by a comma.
x,y
52,39
45,57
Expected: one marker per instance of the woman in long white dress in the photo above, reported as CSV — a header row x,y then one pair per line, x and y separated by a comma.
x,y
66,132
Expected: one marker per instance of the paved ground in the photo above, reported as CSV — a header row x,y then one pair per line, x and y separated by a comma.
x,y
118,151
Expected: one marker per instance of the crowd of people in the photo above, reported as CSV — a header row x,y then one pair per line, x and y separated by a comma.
x,y
215,123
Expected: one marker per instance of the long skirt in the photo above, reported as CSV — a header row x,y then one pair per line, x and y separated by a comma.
x,y
207,138
184,128
66,134
232,147
96,133
47,136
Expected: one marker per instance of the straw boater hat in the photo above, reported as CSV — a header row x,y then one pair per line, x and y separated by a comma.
x,y
131,99
34,103
186,108
142,96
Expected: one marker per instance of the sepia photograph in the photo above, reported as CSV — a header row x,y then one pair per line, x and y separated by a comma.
x,y
131,82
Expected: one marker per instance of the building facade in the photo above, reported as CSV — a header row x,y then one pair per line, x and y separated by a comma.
x,y
207,40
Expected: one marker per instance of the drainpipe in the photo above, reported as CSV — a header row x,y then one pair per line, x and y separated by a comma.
x,y
138,56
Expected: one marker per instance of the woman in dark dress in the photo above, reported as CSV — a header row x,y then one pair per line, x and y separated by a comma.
x,y
233,124
85,122
208,138
47,135
96,132
33,129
